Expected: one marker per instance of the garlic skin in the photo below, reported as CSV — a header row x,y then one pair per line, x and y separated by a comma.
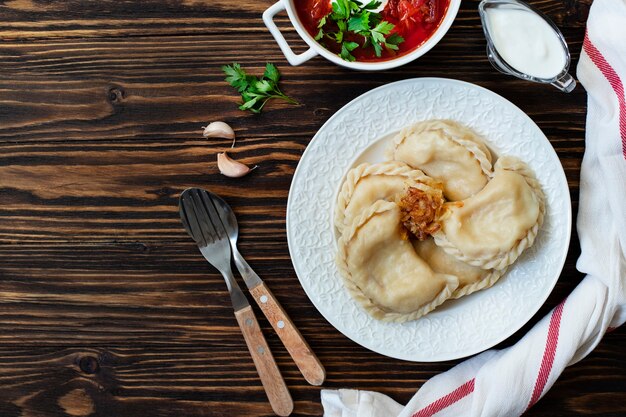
x,y
231,168
218,130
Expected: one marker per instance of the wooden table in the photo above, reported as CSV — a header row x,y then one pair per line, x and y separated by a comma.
x,y
106,306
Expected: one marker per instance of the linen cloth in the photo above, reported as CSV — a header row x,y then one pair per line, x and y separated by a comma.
x,y
509,381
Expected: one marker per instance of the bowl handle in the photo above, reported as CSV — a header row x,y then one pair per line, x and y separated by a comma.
x,y
268,19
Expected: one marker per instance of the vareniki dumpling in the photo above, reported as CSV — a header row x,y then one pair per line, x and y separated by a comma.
x,y
471,278
382,271
368,183
493,227
435,222
446,151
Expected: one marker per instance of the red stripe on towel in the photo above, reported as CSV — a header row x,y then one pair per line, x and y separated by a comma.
x,y
548,354
616,83
447,400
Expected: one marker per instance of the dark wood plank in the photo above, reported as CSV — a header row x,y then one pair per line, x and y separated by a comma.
x,y
106,308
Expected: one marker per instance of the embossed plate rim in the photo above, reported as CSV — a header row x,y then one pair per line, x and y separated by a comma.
x,y
388,338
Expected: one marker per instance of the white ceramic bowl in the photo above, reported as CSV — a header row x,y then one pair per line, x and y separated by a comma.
x,y
316,49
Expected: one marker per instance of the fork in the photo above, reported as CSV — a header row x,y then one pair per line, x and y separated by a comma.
x,y
196,211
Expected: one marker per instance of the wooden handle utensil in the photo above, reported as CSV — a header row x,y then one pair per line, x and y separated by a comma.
x,y
272,380
298,348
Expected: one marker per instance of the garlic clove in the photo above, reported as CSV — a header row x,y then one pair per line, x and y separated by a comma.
x,y
218,130
231,168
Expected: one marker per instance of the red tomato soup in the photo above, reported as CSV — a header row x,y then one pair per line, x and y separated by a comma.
x,y
414,20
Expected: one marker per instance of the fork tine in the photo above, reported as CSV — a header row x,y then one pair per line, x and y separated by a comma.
x,y
208,230
213,215
221,207
192,218
183,215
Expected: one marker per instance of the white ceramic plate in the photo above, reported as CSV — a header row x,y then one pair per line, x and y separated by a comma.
x,y
357,132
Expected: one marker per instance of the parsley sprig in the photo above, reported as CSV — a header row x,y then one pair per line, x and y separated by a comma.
x,y
357,18
255,92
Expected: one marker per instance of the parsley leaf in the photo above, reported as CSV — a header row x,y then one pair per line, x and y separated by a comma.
x,y
346,48
350,46
377,48
383,27
372,5
255,92
359,23
236,76
394,39
263,86
342,25
377,37
341,9
271,72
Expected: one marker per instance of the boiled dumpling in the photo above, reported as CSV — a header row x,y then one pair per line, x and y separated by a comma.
x,y
493,227
382,271
446,151
471,278
368,183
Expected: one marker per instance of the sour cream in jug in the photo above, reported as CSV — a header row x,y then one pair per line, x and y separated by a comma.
x,y
526,42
